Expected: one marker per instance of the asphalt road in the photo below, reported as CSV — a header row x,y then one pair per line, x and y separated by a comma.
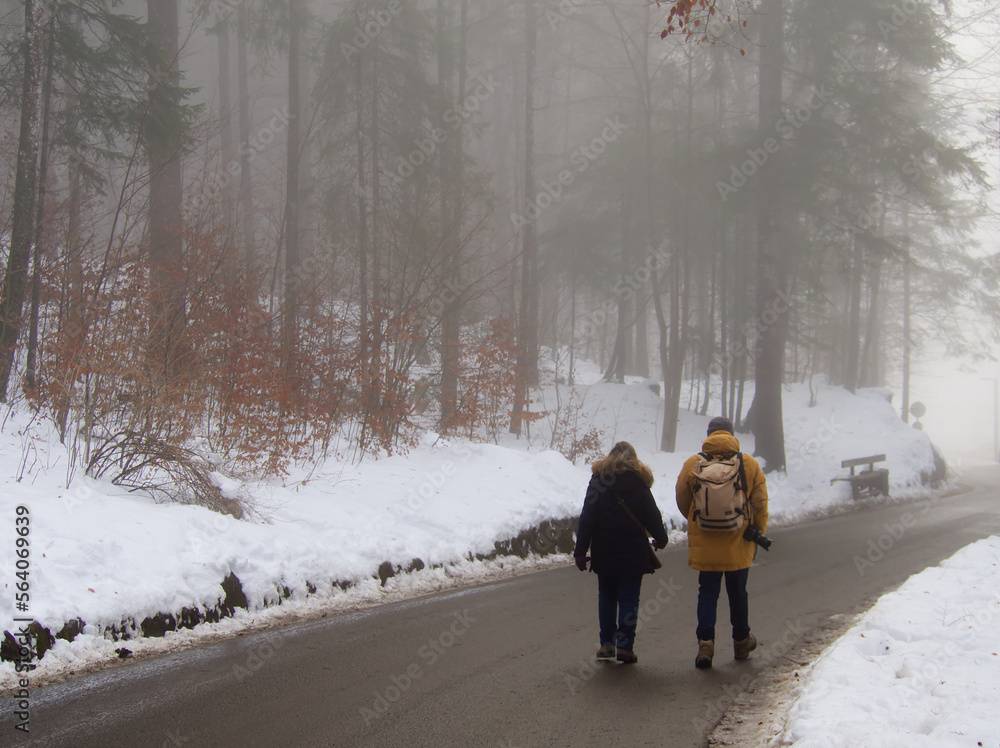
x,y
507,664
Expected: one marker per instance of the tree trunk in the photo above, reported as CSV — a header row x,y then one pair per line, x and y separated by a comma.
x,y
451,210
365,338
767,421
73,328
246,175
906,325
378,306
16,275
31,353
527,336
853,341
227,152
661,324
166,242
869,370
293,265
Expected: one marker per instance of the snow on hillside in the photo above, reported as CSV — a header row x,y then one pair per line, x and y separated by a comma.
x,y
921,668
103,555
822,427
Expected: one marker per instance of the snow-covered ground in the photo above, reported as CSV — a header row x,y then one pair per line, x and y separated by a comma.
x,y
921,668
105,556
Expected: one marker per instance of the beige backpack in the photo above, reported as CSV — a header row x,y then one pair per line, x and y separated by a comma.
x,y
720,493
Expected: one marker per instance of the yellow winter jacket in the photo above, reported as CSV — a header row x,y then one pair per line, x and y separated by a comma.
x,y
722,551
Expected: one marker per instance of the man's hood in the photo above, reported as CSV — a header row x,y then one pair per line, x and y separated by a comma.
x,y
720,443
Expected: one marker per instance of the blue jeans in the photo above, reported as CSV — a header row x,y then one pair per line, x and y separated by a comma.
x,y
618,609
709,586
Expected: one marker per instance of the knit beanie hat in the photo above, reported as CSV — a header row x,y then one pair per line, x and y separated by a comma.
x,y
720,423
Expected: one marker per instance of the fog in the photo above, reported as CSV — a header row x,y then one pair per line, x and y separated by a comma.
x,y
276,225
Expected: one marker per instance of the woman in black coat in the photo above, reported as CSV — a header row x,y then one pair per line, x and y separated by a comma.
x,y
618,546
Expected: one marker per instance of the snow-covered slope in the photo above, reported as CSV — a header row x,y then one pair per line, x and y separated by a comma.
x,y
106,557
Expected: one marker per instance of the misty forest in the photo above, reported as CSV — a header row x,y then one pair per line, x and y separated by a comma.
x,y
291,228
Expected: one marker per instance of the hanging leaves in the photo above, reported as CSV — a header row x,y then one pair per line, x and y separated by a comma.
x,y
690,17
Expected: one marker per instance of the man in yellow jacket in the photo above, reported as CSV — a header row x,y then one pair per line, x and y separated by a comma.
x,y
722,554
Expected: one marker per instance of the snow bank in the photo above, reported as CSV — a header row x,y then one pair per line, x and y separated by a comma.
x,y
106,556
921,668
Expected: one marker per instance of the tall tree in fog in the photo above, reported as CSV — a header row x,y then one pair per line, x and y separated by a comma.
x,y
22,226
772,270
227,150
873,156
452,80
294,276
246,205
164,137
527,329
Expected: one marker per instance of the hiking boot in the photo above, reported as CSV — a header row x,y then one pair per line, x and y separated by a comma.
x,y
743,648
606,652
706,650
627,656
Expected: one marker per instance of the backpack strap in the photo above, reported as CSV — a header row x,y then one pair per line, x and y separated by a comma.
x,y
746,489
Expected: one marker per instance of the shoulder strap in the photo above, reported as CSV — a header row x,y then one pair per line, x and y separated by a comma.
x,y
746,490
621,503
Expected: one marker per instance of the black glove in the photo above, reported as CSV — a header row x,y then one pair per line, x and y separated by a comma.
x,y
581,562
656,545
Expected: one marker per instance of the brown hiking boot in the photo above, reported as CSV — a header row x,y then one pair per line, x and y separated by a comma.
x,y
627,656
743,648
606,652
706,650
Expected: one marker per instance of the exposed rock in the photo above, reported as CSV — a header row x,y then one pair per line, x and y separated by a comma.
x,y
71,629
190,617
385,572
234,596
42,638
157,626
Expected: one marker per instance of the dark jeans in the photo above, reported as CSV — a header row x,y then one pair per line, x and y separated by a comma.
x,y
709,586
618,596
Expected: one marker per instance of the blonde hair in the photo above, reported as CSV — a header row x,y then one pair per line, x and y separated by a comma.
x,y
622,457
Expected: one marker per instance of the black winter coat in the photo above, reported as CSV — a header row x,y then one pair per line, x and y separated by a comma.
x,y
617,545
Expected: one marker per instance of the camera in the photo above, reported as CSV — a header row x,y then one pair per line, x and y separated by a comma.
x,y
754,534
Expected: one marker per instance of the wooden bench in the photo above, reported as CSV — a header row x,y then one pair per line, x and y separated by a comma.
x,y
870,482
